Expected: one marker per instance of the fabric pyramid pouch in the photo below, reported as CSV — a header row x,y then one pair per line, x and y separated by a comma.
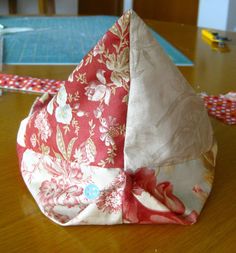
x,y
125,140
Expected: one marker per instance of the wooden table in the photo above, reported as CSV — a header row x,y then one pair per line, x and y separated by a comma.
x,y
24,229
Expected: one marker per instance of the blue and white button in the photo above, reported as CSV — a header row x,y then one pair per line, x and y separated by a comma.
x,y
91,191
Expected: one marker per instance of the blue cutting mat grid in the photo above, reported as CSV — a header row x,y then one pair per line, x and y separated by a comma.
x,y
63,40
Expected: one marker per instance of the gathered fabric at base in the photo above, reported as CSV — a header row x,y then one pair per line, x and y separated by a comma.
x,y
125,140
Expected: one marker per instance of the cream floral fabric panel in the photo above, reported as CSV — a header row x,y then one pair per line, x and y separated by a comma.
x,y
166,121
72,195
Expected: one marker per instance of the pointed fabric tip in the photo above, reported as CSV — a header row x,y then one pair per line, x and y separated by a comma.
x,y
118,140
166,122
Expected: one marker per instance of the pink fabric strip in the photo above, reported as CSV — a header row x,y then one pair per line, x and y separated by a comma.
x,y
29,84
222,107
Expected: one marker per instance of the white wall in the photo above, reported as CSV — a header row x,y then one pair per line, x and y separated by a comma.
x,y
27,7
213,14
67,7
231,24
62,6
31,7
128,4
3,7
217,14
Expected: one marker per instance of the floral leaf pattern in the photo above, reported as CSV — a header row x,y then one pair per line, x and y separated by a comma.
x,y
41,123
60,143
86,153
70,147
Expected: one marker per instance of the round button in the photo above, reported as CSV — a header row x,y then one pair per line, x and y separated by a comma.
x,y
91,191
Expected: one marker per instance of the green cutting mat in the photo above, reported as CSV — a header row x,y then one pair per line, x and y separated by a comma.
x,y
63,40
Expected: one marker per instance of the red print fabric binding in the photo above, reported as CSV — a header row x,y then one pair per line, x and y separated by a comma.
x,y
29,84
97,152
222,107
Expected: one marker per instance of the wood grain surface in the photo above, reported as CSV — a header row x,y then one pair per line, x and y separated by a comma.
x,y
23,228
101,7
181,11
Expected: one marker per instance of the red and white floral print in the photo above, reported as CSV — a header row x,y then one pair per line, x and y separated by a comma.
x,y
41,123
33,140
91,94
48,191
63,112
118,64
71,76
86,153
109,130
111,199
134,211
98,90
98,111
72,156
59,186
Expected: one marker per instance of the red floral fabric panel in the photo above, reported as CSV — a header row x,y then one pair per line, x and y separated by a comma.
x,y
168,208
85,121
